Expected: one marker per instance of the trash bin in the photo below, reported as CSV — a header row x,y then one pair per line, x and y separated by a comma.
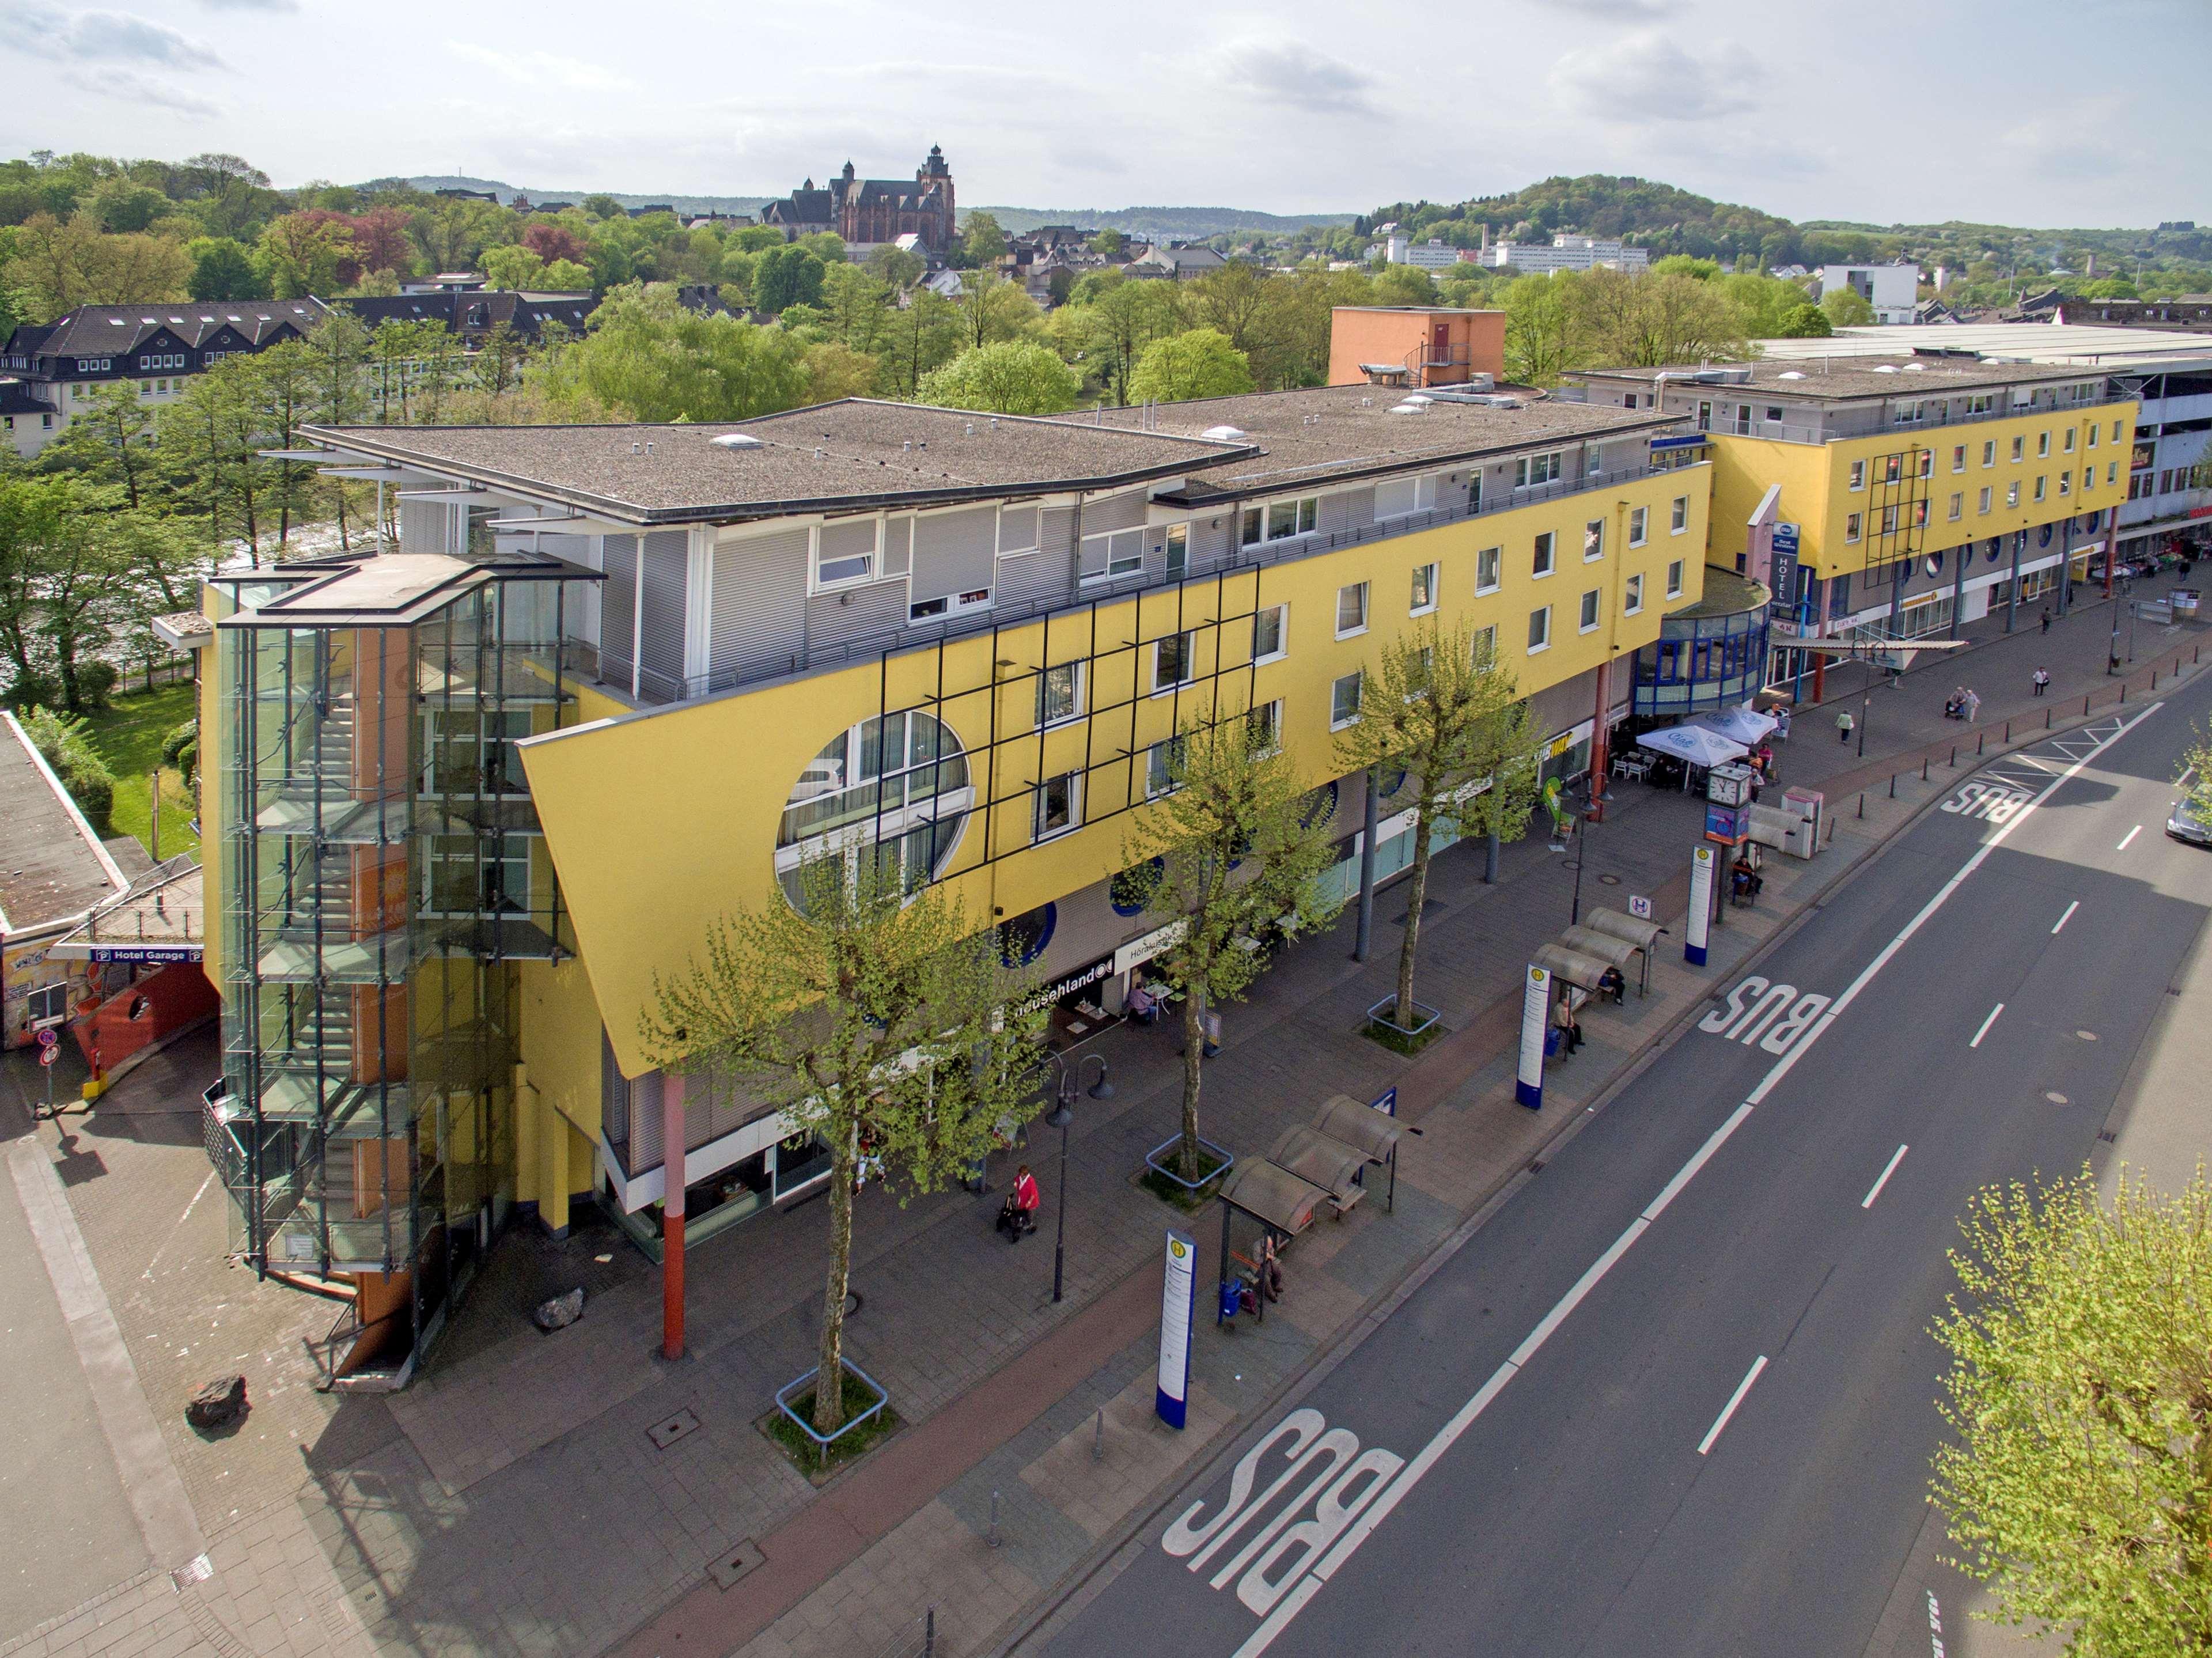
x,y
1232,1293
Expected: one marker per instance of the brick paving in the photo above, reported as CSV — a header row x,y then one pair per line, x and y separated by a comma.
x,y
512,1502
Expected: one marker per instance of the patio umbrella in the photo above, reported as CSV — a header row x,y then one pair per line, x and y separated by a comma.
x,y
1695,744
1746,724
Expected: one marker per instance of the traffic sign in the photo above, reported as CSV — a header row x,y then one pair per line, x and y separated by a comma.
x,y
47,1037
48,1055
1640,908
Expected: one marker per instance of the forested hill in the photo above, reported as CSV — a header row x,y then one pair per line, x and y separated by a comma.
x,y
1641,210
1187,223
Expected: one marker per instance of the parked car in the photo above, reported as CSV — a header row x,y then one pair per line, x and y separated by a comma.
x,y
2184,823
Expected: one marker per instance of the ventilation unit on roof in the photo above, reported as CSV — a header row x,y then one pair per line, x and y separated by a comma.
x,y
1885,368
1791,374
736,440
1407,408
1224,434
1916,367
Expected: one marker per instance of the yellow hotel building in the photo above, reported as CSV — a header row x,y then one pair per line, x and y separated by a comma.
x,y
1927,491
469,795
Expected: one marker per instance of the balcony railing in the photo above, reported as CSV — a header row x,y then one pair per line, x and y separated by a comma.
x,y
1786,433
868,647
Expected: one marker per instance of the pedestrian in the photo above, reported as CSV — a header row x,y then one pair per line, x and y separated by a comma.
x,y
1973,705
2046,618
2042,681
1570,1032
1782,723
1844,727
1019,1217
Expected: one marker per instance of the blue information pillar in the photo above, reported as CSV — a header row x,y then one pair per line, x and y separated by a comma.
x,y
1701,906
1536,1021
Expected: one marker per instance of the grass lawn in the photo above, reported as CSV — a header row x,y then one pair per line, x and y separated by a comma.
x,y
128,736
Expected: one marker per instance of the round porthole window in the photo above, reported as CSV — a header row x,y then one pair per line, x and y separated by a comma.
x,y
1996,547
1023,938
889,795
1132,888
1934,564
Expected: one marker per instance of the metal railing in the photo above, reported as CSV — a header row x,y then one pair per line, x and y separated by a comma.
x,y
1786,433
869,645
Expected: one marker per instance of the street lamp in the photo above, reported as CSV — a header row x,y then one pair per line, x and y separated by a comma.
x,y
1065,1081
1599,796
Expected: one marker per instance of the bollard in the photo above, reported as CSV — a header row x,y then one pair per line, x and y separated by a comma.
x,y
1980,738
1954,756
1862,803
1893,788
2046,720
2085,707
2123,693
929,1633
1098,1436
2007,735
2153,679
1924,768
994,1516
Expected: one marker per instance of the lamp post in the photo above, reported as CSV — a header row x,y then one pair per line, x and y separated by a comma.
x,y
1065,1081
1590,814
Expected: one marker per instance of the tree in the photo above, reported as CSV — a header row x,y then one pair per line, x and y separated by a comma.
x,y
885,1020
923,336
1123,318
550,239
2079,1485
63,590
1539,329
1846,307
1238,846
652,359
1442,706
1109,244
111,441
1652,320
56,265
834,371
785,276
566,276
994,309
310,252
1806,321
1200,364
983,242
1011,377
223,269
1232,299
513,267
895,267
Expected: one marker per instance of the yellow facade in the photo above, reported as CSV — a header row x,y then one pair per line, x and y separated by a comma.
x,y
659,822
1817,493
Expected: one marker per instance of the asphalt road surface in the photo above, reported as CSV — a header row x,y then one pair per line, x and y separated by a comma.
x,y
1676,1397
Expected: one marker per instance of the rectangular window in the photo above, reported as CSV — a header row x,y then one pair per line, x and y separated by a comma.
x,y
1858,475
1424,589
1178,551
1851,526
1060,694
1889,520
1681,520
2111,470
1174,661
2043,446
2066,483
1247,532
1540,629
839,562
1287,519
1117,552
1675,571
1743,419
1981,405
1589,611
1530,469
1989,451
1544,544
1640,522
1986,499
1396,497
1343,702
2069,439
1927,463
1632,598
1773,415
2012,493
1893,468
1263,727
1057,804
1593,540
2019,448
2040,481
1270,632
1958,505
1919,513
2116,431
1488,563
1958,457
2092,436
1485,646
1352,610
1161,762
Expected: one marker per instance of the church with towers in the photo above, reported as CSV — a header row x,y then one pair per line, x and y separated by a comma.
x,y
869,211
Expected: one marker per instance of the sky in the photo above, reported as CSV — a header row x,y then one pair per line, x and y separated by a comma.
x,y
2031,113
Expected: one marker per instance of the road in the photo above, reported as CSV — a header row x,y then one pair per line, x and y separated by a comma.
x,y
1676,1396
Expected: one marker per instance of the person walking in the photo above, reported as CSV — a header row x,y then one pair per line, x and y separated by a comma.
x,y
2046,618
1019,1217
2042,681
1844,727
1973,705
1782,723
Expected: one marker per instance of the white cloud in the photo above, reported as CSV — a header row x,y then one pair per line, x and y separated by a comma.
x,y
111,37
251,5
1616,11
142,91
544,68
1296,76
1643,77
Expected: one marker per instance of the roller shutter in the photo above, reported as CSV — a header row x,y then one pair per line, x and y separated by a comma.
x,y
954,552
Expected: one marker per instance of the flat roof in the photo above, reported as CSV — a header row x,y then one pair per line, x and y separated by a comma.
x,y
1428,310
1892,374
853,455
52,867
387,589
1333,432
2090,345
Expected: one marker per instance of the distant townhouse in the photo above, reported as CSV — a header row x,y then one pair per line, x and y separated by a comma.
x,y
1182,261
1893,290
49,370
613,682
473,313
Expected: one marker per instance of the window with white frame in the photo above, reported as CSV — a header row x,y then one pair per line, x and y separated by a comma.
x,y
1396,497
1162,760
2012,493
1112,553
2043,446
1958,505
845,553
1676,570
1424,598
1681,520
1060,693
1263,727
1174,661
1529,470
1631,595
1485,646
1540,628
1352,610
2069,439
1489,564
1851,521
2092,435
1058,806
1927,463
1593,540
1343,702
1589,619
1278,520
1986,498
1640,522
2117,428
1989,452
1958,457
2040,482
1544,543
2019,448
1270,633
1858,475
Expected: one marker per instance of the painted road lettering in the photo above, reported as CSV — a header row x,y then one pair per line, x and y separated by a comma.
x,y
1760,1010
1994,803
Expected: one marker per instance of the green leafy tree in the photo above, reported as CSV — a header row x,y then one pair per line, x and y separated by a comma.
x,y
63,589
1540,335
308,253
213,437
925,335
994,309
56,265
1239,849
895,267
1011,377
1440,706
983,240
223,269
1122,318
1109,244
883,1017
2078,1486
1201,364
110,441
513,267
1806,321
651,359
1653,319
785,276
1846,307
340,349
566,276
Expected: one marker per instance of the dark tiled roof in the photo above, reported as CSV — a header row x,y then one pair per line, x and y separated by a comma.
x,y
112,331
16,397
526,313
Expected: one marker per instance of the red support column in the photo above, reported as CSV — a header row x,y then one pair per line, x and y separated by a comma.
x,y
1600,758
672,1236
1820,631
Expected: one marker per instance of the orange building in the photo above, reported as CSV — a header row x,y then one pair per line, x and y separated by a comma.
x,y
1408,345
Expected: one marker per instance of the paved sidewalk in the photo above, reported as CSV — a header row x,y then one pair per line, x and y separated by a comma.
x,y
513,1501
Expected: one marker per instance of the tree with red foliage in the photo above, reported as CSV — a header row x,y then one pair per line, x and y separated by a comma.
x,y
554,241
380,240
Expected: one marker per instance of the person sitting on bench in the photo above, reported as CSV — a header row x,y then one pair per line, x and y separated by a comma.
x,y
1612,983
1141,1005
